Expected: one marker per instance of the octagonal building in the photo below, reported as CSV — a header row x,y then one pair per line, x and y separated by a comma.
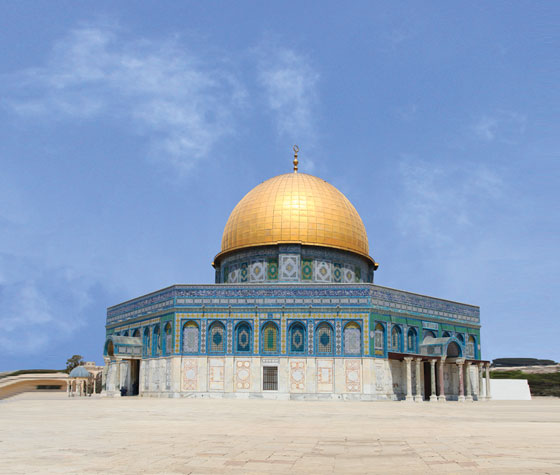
x,y
294,313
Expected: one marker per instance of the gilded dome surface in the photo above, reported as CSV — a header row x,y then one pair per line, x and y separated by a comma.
x,y
295,208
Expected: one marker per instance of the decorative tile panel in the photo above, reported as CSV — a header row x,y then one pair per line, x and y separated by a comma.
x,y
338,330
310,332
272,269
257,271
306,269
323,271
348,275
243,272
337,273
289,267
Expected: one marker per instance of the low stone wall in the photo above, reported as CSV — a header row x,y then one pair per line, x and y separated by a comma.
x,y
509,390
14,385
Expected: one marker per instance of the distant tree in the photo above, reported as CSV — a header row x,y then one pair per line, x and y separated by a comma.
x,y
71,363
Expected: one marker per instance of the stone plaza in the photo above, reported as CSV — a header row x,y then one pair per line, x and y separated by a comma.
x,y
51,433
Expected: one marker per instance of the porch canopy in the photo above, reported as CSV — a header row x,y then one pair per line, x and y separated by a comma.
x,y
123,346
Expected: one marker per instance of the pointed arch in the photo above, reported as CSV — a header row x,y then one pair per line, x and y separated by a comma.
x,y
217,338
352,339
168,339
379,339
191,338
412,340
270,338
324,339
243,338
396,339
297,338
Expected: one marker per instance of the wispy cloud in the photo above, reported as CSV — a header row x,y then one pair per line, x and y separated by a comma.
x,y
166,91
440,204
290,86
504,126
39,306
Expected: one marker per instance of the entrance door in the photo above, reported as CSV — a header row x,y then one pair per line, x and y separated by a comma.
x,y
427,380
134,377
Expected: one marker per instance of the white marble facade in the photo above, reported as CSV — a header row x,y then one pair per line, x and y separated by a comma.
x,y
298,378
230,376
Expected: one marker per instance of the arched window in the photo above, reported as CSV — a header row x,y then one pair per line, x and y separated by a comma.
x,y
243,338
324,339
156,342
168,345
461,338
190,337
109,348
297,338
217,338
125,333
429,334
379,341
352,339
411,340
136,333
147,342
453,350
270,338
471,347
396,338
445,334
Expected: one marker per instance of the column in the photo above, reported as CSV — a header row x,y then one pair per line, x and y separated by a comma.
x,y
433,395
461,381
409,396
68,386
94,383
479,396
488,394
118,378
468,381
418,397
441,396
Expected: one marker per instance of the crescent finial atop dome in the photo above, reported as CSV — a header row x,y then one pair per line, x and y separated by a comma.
x,y
296,150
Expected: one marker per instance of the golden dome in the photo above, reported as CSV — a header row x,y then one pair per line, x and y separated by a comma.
x,y
295,208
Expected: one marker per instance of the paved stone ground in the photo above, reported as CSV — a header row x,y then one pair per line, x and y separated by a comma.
x,y
43,434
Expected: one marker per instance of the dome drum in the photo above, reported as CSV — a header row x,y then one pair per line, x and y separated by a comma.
x,y
293,263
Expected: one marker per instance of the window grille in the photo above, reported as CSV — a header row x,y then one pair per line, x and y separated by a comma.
x,y
270,378
379,342
324,338
396,338
190,337
168,339
412,340
156,342
352,339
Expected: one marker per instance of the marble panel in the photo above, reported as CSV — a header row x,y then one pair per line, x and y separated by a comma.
x,y
297,375
325,375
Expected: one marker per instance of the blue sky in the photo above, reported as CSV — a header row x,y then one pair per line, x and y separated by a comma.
x,y
130,131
